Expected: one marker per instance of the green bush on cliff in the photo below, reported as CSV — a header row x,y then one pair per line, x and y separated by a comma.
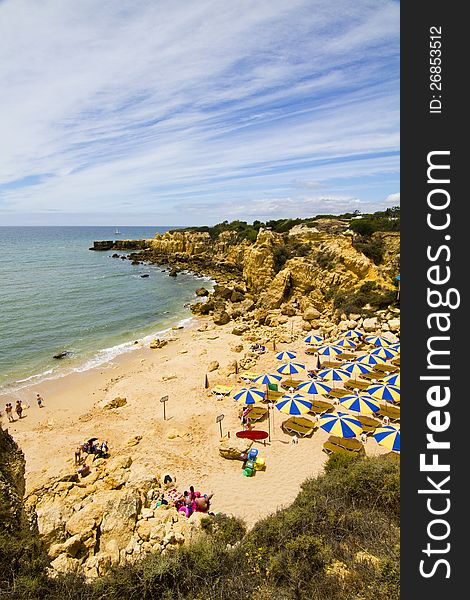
x,y
369,294
372,248
388,220
338,540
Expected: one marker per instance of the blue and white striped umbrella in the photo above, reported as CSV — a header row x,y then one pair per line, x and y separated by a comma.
x,y
377,340
361,403
267,378
334,375
354,368
285,355
370,359
329,350
381,391
295,404
291,368
249,395
344,343
313,339
389,437
353,333
314,387
393,379
342,424
386,353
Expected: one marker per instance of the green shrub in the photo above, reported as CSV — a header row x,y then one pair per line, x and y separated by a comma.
x,y
368,294
372,248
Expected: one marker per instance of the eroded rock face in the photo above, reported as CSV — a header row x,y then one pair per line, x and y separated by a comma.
x,y
107,518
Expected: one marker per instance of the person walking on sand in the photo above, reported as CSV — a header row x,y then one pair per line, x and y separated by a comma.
x,y
78,454
18,409
40,400
9,412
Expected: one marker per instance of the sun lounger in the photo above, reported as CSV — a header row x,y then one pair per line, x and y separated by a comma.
x,y
249,375
257,412
274,395
300,426
311,350
319,407
386,368
330,364
221,390
288,383
347,355
339,393
331,448
353,384
389,410
368,423
352,444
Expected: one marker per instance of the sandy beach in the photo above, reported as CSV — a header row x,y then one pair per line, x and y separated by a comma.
x,y
186,443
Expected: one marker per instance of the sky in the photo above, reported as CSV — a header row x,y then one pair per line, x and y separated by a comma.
x,y
155,112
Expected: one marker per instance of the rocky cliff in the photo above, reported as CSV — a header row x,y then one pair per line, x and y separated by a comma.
x,y
318,268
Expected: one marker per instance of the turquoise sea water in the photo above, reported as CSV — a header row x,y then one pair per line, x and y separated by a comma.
x,y
56,294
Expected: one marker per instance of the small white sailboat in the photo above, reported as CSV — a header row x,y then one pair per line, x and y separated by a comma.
x,y
117,232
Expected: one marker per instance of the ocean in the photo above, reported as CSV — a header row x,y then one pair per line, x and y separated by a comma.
x,y
56,295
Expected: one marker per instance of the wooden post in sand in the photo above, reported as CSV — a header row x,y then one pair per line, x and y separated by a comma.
x,y
270,409
164,400
219,420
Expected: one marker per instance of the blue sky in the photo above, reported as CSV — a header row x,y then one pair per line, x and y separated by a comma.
x,y
160,112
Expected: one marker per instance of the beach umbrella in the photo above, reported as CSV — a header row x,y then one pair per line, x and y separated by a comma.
x,y
314,387
389,437
393,379
313,339
334,375
342,424
370,359
386,353
377,340
353,333
249,395
267,378
382,391
329,350
361,403
344,343
354,368
286,355
395,347
291,368
294,404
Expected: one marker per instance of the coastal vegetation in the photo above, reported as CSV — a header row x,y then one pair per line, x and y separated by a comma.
x,y
363,224
338,540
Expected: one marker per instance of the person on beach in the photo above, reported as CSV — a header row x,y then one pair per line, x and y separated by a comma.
x,y
103,449
245,419
386,421
363,437
19,409
40,400
78,454
9,412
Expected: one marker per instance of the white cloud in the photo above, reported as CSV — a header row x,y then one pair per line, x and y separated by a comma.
x,y
107,104
393,198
